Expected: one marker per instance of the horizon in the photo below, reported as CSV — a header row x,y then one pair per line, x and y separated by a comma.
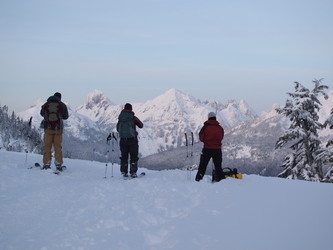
x,y
74,106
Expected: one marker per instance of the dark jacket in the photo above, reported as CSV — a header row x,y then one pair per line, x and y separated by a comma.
x,y
64,113
211,134
137,121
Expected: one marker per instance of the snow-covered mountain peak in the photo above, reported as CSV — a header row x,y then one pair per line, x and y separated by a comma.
x,y
246,109
271,113
172,106
97,106
97,99
38,103
173,92
173,96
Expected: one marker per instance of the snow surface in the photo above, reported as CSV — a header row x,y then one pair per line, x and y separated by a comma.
x,y
79,209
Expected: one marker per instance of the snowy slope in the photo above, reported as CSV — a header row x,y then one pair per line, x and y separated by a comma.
x,y
79,209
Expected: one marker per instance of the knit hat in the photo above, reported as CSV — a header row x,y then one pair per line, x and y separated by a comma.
x,y
211,114
128,106
57,94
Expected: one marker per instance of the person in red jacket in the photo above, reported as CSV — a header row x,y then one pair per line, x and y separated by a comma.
x,y
211,134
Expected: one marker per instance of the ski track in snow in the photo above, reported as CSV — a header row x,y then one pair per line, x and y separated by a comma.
x,y
79,209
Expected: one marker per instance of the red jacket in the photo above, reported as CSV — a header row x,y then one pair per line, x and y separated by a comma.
x,y
211,134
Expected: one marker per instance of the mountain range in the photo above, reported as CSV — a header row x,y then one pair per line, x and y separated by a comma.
x,y
249,142
166,118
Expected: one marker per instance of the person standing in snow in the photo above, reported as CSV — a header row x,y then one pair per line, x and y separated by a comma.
x,y
211,134
54,112
129,145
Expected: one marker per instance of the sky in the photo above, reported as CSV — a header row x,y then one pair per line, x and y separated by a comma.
x,y
134,51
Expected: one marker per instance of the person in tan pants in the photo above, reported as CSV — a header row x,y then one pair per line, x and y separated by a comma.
x,y
54,112
52,138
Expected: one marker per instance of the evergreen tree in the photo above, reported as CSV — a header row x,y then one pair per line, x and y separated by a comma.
x,y
302,136
18,135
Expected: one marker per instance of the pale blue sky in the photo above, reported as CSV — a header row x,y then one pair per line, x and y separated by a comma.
x,y
135,50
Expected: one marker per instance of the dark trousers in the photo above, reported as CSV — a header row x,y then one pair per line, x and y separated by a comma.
x,y
207,154
129,147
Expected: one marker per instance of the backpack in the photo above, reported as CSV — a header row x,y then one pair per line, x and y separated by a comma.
x,y
126,125
226,172
53,115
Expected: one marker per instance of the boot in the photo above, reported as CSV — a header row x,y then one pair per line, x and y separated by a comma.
x,y
198,177
59,168
124,168
46,166
133,168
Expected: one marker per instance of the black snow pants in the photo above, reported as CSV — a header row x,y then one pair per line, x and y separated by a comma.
x,y
129,147
207,154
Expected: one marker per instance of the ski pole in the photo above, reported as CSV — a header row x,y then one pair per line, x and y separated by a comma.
x,y
112,151
188,173
186,144
192,144
26,158
112,160
106,155
189,169
106,166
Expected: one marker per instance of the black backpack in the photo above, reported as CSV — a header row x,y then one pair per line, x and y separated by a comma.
x,y
53,115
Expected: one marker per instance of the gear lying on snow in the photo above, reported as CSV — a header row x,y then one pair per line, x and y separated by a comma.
x,y
227,172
